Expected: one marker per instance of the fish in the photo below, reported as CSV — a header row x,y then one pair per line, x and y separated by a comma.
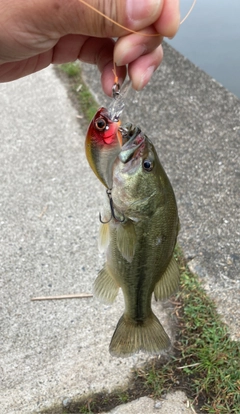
x,y
139,242
104,137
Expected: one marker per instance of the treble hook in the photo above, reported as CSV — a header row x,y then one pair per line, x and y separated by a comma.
x,y
109,194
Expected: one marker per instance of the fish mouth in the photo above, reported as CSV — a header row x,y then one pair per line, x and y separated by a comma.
x,y
134,143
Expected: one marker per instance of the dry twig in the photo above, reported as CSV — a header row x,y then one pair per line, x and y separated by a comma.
x,y
74,296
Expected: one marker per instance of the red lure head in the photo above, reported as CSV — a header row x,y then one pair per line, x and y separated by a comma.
x,y
102,130
103,144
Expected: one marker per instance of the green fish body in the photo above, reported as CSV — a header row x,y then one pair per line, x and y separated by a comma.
x,y
139,242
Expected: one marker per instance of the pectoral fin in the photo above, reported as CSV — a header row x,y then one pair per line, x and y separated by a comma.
x,y
169,281
105,287
126,240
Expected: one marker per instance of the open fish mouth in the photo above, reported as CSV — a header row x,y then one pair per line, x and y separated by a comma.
x,y
134,143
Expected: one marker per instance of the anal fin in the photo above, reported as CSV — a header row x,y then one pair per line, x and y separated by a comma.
x,y
105,287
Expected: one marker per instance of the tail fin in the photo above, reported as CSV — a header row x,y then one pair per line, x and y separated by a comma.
x,y
131,336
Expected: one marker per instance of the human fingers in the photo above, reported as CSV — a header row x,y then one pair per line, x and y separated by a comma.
x,y
112,18
131,47
100,52
141,69
108,79
93,50
33,27
168,22
69,48
10,71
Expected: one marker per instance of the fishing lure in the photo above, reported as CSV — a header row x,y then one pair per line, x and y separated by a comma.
x,y
104,137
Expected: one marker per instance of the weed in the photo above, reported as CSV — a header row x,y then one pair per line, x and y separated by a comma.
x,y
123,397
71,69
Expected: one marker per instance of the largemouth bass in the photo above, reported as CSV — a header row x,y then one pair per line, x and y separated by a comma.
x,y
139,241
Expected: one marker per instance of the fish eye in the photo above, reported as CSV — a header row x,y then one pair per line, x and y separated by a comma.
x,y
100,124
147,165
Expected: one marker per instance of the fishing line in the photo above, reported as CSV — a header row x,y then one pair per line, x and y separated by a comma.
x,y
126,28
189,12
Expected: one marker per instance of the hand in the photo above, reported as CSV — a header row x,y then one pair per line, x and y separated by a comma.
x,y
36,33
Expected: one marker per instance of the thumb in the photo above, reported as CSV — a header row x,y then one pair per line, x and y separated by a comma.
x,y
88,16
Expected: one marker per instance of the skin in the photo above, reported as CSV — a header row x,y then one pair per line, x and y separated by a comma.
x,y
36,33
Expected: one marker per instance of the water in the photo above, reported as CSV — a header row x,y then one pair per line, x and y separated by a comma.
x,y
210,38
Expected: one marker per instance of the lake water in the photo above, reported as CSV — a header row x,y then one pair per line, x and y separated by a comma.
x,y
210,38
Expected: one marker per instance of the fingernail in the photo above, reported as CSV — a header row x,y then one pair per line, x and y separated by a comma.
x,y
142,10
130,53
145,78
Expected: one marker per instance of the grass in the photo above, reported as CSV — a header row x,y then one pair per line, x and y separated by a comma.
x,y
210,357
205,362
